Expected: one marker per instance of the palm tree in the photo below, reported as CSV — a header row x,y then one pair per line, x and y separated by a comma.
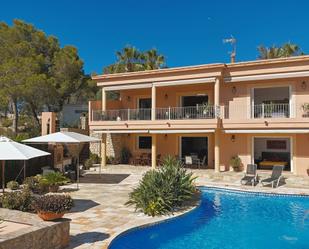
x,y
286,50
131,58
153,60
290,49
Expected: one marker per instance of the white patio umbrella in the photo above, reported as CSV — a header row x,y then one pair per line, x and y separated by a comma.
x,y
64,137
10,150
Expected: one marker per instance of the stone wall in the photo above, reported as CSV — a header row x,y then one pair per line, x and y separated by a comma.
x,y
39,234
113,144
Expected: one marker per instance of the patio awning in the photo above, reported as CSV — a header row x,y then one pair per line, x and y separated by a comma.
x,y
122,131
277,131
155,131
180,131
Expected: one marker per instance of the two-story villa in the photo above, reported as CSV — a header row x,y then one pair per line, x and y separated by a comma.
x,y
258,110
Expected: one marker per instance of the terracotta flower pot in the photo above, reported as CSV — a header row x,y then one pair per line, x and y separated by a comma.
x,y
49,215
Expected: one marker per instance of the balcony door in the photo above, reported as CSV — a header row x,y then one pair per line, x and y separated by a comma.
x,y
194,101
195,107
195,147
271,102
144,109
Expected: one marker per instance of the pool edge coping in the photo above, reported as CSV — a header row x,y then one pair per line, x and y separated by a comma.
x,y
222,188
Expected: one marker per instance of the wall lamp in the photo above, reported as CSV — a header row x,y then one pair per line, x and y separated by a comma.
x,y
233,138
128,98
304,85
234,90
166,96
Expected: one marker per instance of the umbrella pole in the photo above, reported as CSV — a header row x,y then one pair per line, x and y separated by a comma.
x,y
3,180
77,171
24,169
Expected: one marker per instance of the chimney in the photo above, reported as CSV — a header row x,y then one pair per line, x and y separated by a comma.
x,y
48,123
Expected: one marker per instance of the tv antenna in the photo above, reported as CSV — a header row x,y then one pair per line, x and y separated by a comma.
x,y
231,41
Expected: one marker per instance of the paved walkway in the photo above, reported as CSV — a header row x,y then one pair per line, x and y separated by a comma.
x,y
100,214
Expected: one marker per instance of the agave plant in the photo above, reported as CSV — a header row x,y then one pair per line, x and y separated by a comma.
x,y
162,191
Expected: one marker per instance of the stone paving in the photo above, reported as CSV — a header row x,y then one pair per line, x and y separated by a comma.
x,y
100,214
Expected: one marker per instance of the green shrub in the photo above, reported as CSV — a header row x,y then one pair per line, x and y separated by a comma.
x,y
6,122
21,136
111,160
125,155
162,191
18,200
55,179
37,184
12,185
56,203
95,158
88,163
31,182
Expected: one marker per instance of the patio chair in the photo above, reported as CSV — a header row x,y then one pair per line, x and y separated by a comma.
x,y
203,162
250,175
188,160
275,177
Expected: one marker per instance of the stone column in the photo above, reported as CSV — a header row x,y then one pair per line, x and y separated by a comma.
x,y
154,151
217,93
153,102
217,151
103,150
217,131
103,99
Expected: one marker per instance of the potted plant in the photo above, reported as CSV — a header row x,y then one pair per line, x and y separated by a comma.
x,y
52,206
125,155
12,185
235,163
206,109
54,180
305,108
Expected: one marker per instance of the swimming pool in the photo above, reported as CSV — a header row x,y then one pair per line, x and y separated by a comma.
x,y
228,220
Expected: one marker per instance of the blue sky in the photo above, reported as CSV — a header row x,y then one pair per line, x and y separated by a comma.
x,y
187,32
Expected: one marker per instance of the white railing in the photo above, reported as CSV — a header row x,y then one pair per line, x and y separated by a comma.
x,y
122,115
271,111
188,112
169,113
257,111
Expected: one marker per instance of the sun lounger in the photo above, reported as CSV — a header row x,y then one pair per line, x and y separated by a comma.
x,y
250,175
275,177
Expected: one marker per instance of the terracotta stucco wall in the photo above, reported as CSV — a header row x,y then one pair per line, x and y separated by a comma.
x,y
242,146
238,95
168,144
166,96
301,154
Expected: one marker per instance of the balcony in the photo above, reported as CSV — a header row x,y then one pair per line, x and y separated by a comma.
x,y
271,111
169,113
261,111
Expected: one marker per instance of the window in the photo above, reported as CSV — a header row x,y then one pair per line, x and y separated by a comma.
x,y
194,100
144,103
144,142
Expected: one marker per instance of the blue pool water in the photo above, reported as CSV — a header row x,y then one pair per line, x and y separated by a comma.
x,y
229,220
